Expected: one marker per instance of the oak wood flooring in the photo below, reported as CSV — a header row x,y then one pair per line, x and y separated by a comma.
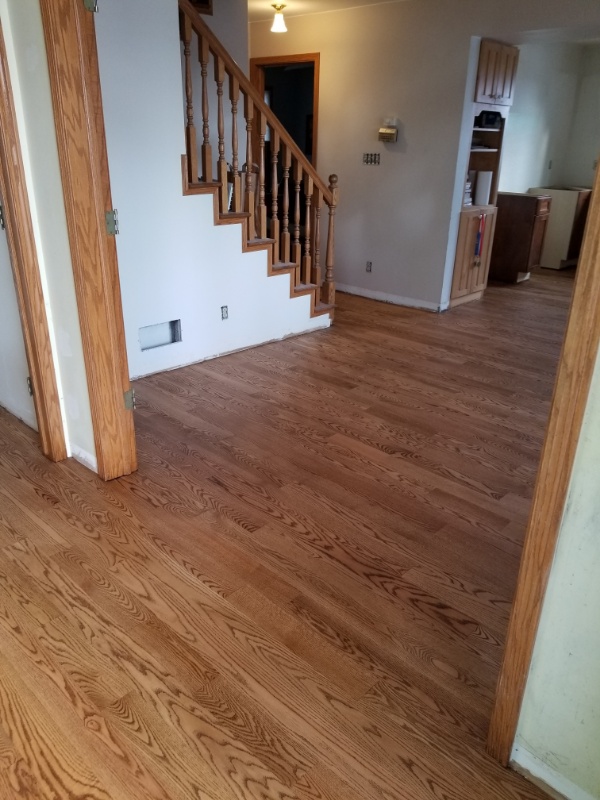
x,y
303,592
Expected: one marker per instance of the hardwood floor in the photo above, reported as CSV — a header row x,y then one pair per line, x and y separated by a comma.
x,y
304,591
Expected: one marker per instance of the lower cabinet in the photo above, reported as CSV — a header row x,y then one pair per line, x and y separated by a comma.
x,y
473,251
520,234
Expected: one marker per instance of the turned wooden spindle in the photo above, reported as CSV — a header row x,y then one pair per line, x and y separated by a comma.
x,y
329,285
249,193
316,260
285,210
190,128
274,232
221,164
307,258
206,147
296,246
234,96
261,214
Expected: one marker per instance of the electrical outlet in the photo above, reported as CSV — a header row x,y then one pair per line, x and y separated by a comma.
x,y
224,312
369,266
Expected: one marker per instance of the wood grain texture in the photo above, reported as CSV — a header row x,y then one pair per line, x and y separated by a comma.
x,y
26,272
75,87
303,592
573,381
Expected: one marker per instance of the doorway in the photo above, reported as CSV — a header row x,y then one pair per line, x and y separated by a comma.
x,y
290,86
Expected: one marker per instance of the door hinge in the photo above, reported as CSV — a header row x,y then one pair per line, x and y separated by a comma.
x,y
112,222
30,386
91,5
129,398
2,222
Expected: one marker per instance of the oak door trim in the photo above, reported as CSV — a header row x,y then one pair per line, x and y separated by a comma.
x,y
257,78
575,371
75,85
26,273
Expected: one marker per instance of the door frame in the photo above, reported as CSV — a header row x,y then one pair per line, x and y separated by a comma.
x,y
257,78
70,38
26,274
571,390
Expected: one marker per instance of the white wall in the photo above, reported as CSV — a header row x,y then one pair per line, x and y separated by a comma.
x,y
411,59
584,143
558,737
537,130
22,27
173,262
13,361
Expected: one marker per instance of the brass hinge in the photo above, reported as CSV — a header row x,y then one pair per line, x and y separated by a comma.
x,y
129,398
30,386
91,5
112,222
2,222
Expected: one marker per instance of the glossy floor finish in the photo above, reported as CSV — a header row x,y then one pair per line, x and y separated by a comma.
x,y
304,591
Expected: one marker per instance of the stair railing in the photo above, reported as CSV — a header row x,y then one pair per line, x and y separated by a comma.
x,y
281,203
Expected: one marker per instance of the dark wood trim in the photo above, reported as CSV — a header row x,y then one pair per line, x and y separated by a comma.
x,y
74,80
575,371
26,271
257,78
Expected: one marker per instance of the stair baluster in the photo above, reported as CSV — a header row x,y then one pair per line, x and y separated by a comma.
x,y
190,128
315,277
249,194
221,164
206,146
307,259
261,214
274,232
236,192
296,246
285,222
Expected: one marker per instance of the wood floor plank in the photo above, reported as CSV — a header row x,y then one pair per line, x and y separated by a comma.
x,y
303,593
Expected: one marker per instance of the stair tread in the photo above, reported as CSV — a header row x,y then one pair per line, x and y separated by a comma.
x,y
285,265
233,215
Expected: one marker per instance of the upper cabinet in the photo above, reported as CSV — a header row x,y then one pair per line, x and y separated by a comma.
x,y
497,73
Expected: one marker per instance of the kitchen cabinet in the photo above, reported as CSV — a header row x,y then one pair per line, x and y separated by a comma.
x,y
473,251
496,74
520,233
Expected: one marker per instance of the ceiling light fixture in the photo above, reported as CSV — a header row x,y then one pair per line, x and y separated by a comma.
x,y
278,25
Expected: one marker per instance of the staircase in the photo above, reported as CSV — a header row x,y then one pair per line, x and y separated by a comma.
x,y
280,212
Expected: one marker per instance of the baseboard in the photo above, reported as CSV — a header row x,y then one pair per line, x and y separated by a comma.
x,y
384,297
85,458
552,782
326,323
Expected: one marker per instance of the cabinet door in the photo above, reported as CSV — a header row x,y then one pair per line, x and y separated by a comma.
x,y
486,225
489,54
506,74
496,73
464,263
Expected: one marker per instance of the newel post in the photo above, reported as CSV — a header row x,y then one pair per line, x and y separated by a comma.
x,y
329,297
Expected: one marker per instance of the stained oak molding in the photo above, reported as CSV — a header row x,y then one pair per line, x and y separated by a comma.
x,y
23,256
575,372
72,59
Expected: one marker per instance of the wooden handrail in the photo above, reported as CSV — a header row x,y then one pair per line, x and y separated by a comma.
x,y
217,49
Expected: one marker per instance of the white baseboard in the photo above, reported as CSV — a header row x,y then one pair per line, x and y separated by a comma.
x,y
85,458
540,773
395,299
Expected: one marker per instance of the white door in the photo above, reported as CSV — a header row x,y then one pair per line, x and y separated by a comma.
x,y
14,395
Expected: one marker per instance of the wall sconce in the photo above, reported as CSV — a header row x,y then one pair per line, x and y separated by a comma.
x,y
278,25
